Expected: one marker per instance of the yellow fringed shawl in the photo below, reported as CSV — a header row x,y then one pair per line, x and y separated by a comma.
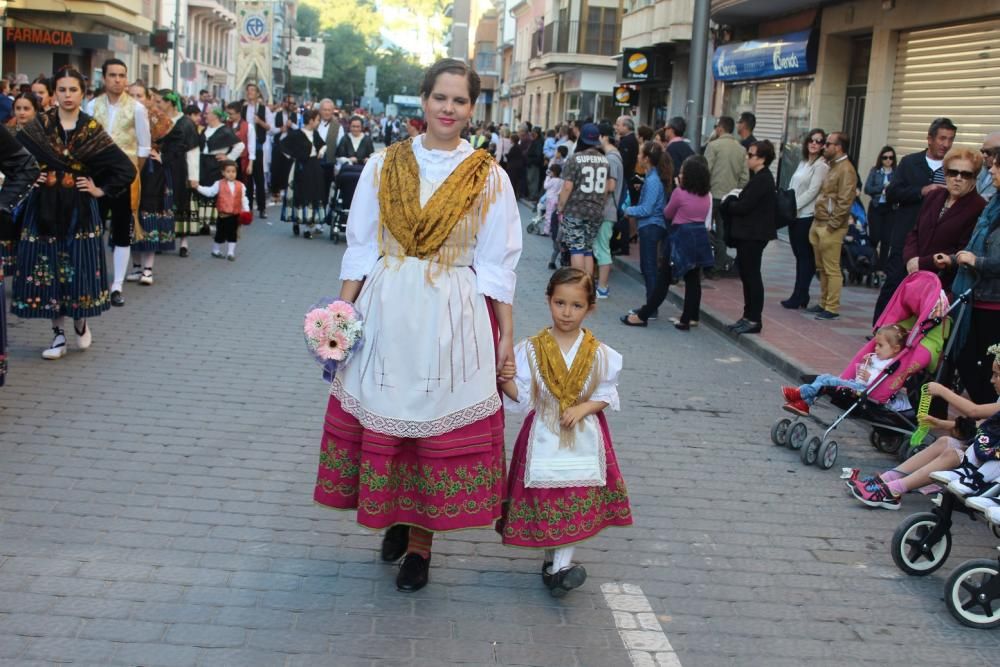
x,y
567,385
422,232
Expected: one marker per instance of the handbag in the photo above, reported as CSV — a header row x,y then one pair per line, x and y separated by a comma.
x,y
785,208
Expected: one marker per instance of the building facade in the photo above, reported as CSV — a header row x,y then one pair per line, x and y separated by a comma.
x,y
40,36
209,48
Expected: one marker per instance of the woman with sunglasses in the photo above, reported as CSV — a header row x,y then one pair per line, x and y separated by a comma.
x,y
879,210
806,181
947,216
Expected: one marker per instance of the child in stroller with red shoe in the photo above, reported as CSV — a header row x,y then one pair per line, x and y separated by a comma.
x,y
889,342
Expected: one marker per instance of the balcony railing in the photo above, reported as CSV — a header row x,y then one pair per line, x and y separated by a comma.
x,y
586,37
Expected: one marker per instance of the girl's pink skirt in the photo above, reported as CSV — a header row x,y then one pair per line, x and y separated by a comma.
x,y
548,518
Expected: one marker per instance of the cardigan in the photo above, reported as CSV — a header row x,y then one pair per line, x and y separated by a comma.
x,y
946,233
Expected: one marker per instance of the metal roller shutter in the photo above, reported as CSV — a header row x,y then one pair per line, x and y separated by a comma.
x,y
951,71
771,111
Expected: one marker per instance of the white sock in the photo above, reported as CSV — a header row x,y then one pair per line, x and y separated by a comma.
x,y
230,249
184,242
147,259
217,248
563,558
121,259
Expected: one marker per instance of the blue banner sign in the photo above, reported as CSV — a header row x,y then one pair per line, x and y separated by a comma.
x,y
781,55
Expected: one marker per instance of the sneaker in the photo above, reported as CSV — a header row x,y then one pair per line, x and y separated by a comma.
x,y
217,255
791,394
183,252
603,293
875,493
84,339
147,277
799,407
57,349
827,315
231,258
815,310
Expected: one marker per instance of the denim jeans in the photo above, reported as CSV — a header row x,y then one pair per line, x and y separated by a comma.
x,y
650,237
809,392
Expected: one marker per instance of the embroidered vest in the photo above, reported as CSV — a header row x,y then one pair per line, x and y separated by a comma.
x,y
123,132
229,203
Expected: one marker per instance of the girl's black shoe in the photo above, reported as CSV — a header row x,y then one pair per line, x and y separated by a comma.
x,y
563,581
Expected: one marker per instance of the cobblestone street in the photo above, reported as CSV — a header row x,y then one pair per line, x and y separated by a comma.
x,y
156,505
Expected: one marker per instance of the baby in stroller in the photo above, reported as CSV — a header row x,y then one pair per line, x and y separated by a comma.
x,y
889,342
857,253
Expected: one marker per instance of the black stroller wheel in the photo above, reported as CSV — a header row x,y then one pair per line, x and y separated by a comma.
x,y
797,435
968,597
827,454
912,553
810,452
779,431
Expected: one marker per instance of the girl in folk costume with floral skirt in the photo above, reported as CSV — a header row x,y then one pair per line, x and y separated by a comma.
x,y
564,485
413,437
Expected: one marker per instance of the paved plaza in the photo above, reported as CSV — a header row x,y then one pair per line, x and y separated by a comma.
x,y
156,506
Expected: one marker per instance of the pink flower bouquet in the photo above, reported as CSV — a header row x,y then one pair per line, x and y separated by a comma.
x,y
333,330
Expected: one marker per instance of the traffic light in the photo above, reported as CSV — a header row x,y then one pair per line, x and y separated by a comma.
x,y
160,40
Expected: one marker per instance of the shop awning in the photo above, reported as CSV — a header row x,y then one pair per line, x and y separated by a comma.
x,y
782,55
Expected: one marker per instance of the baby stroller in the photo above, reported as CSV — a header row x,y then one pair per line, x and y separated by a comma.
x,y
341,195
918,305
857,255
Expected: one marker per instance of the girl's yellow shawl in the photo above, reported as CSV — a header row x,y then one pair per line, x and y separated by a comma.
x,y
421,232
567,385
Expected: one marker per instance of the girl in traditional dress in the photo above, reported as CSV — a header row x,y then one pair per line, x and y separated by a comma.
x,y
60,260
304,201
156,200
413,438
179,156
564,485
20,171
219,143
26,108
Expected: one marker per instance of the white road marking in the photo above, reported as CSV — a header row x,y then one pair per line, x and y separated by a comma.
x,y
638,627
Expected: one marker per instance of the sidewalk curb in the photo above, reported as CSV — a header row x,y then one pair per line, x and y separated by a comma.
x,y
760,349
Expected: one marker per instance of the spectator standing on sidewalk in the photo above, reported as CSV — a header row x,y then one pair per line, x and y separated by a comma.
x,y
984,182
672,137
616,182
832,213
581,202
727,164
628,146
918,174
533,158
648,212
751,214
879,211
744,128
806,182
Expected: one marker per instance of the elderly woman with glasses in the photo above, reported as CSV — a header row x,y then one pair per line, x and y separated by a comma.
x,y
947,216
879,210
979,268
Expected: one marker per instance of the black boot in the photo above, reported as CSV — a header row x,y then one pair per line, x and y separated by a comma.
x,y
394,542
413,573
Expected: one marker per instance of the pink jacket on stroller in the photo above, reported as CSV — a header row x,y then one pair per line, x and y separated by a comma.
x,y
918,298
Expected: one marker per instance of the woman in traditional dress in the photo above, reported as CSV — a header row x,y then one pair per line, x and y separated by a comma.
x,y
60,260
356,147
179,155
20,171
156,201
413,437
218,143
304,202
26,108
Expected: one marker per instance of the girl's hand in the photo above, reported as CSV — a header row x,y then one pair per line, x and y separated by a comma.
x,y
863,374
937,389
932,422
505,354
965,258
572,416
86,184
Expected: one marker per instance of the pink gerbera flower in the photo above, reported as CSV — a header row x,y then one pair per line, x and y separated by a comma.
x,y
318,324
334,347
341,311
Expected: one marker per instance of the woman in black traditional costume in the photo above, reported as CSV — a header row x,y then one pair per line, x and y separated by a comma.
x,y
218,143
179,155
26,108
305,201
60,260
356,147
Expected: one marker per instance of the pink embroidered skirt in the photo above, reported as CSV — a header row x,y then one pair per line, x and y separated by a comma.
x,y
548,518
446,482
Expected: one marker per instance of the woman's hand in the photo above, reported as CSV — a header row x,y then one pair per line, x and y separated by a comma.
x,y
86,184
42,177
913,265
193,184
221,157
942,261
572,416
155,155
966,258
505,355
507,372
